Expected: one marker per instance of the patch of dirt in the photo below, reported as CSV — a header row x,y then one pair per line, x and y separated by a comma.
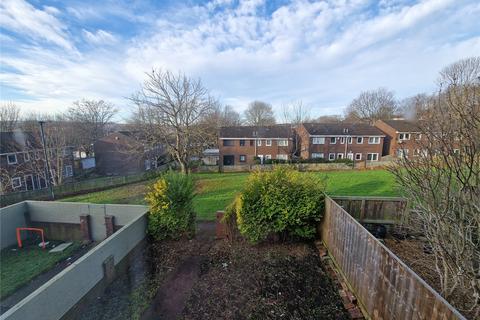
x,y
414,252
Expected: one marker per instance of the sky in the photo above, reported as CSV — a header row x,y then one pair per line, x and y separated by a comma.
x,y
323,53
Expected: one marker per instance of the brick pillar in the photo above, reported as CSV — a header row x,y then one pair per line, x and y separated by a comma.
x,y
220,227
85,227
109,225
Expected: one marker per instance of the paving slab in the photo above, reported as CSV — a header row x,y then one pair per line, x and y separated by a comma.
x,y
61,247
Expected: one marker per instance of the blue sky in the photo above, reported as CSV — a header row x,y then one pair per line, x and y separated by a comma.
x,y
321,52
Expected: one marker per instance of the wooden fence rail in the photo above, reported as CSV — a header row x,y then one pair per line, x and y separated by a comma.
x,y
385,287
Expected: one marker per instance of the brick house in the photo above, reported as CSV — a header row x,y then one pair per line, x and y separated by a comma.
x,y
340,140
122,153
245,144
401,138
22,162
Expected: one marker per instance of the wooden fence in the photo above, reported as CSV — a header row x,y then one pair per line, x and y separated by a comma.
x,y
385,287
384,210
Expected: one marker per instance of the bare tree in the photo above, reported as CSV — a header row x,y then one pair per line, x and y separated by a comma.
x,y
295,113
370,106
416,107
442,182
329,119
259,114
90,118
170,109
9,116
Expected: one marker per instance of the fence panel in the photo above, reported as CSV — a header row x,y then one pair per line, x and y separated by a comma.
x,y
385,287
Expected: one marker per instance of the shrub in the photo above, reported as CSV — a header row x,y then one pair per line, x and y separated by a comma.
x,y
171,206
280,202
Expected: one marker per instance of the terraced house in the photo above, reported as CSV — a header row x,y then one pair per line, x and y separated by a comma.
x,y
22,162
401,137
333,141
244,144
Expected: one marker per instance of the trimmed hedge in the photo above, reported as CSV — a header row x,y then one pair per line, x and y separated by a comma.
x,y
281,202
171,206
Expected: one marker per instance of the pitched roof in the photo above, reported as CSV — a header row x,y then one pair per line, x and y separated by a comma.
x,y
16,141
342,129
276,131
404,125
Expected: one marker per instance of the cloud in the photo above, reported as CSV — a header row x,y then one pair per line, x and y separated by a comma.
x,y
21,17
99,37
323,53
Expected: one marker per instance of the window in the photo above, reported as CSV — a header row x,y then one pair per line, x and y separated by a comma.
x,y
26,156
268,157
254,134
228,143
259,142
243,158
242,143
372,156
38,155
342,140
358,156
282,143
350,140
268,143
339,155
333,140
359,140
418,136
331,156
16,182
318,140
317,155
69,169
282,156
404,136
402,153
12,158
456,151
374,140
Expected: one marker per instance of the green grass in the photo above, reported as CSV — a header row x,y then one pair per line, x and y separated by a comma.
x,y
22,265
216,190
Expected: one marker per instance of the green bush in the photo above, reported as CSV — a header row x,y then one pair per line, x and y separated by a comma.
x,y
280,202
171,206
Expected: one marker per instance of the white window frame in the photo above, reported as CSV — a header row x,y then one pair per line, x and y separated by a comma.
x,y
360,139
318,155
71,169
373,140
8,159
268,157
334,140
342,140
244,158
330,156
282,156
318,140
282,143
19,181
357,156
349,140
403,136
340,155
31,179
418,136
259,143
373,154
26,157
268,142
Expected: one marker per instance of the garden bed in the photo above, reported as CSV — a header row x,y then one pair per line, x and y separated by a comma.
x,y
416,253
205,278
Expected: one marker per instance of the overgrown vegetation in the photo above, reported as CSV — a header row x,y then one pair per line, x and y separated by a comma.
x,y
171,206
281,202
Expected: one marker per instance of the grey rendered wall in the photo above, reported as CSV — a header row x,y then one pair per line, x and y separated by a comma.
x,y
69,212
11,217
52,300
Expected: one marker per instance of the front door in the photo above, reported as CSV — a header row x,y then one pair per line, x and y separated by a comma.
x,y
228,160
350,156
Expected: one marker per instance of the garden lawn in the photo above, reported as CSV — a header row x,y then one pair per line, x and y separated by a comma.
x,y
216,190
20,266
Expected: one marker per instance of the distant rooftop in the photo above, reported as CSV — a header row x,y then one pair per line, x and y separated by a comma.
x,y
275,131
404,125
341,128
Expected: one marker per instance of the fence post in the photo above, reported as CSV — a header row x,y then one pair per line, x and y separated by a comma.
x,y
362,211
